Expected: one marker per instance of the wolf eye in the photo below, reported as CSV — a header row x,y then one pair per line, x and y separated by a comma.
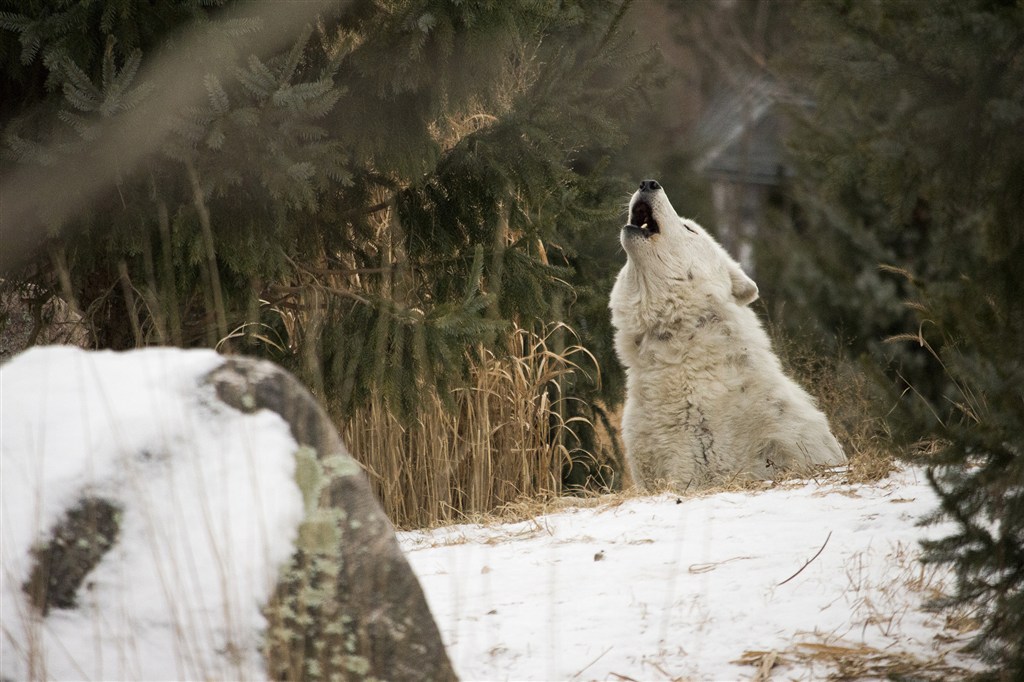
x,y
689,228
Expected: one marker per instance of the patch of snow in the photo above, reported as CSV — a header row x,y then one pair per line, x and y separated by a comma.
x,y
668,588
209,512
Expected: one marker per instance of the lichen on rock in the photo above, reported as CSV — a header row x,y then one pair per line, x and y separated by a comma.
x,y
77,543
347,606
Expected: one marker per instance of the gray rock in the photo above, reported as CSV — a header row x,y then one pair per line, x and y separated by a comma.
x,y
346,606
349,605
31,317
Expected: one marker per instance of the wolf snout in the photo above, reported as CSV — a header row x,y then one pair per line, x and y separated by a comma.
x,y
649,185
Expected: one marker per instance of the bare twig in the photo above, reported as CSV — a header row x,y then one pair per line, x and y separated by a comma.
x,y
712,565
808,562
599,657
128,290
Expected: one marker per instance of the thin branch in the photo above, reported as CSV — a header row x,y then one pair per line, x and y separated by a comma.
x,y
614,25
364,210
128,291
599,657
808,562
199,200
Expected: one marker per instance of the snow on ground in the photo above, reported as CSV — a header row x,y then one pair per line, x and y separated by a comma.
x,y
207,517
649,588
663,588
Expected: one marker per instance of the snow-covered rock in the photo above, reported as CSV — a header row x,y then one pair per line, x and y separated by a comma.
x,y
175,514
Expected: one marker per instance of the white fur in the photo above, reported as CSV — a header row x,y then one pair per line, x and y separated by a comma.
x,y
706,398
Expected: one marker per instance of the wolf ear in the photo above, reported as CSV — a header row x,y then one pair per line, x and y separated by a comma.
x,y
744,290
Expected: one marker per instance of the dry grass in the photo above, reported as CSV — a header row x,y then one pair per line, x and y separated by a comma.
x,y
851,662
849,395
505,441
499,455
878,606
532,508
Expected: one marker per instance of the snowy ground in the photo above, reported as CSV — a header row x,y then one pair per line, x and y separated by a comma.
x,y
795,582
712,588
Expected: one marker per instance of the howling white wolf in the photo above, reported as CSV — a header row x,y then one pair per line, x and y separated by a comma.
x,y
706,398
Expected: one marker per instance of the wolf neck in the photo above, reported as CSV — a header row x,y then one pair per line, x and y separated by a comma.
x,y
656,300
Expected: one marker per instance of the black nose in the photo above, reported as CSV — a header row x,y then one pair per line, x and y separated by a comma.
x,y
649,185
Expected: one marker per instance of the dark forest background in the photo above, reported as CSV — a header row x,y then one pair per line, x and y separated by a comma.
x,y
414,205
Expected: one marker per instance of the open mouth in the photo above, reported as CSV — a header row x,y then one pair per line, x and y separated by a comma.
x,y
642,219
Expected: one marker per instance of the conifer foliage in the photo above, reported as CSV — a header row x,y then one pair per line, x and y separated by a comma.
x,y
913,159
363,206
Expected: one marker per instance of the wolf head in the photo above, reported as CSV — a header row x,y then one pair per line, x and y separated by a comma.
x,y
670,251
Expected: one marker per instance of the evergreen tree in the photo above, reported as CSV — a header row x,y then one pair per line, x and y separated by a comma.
x,y
367,206
362,206
912,157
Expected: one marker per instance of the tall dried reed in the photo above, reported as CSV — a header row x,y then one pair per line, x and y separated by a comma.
x,y
505,439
